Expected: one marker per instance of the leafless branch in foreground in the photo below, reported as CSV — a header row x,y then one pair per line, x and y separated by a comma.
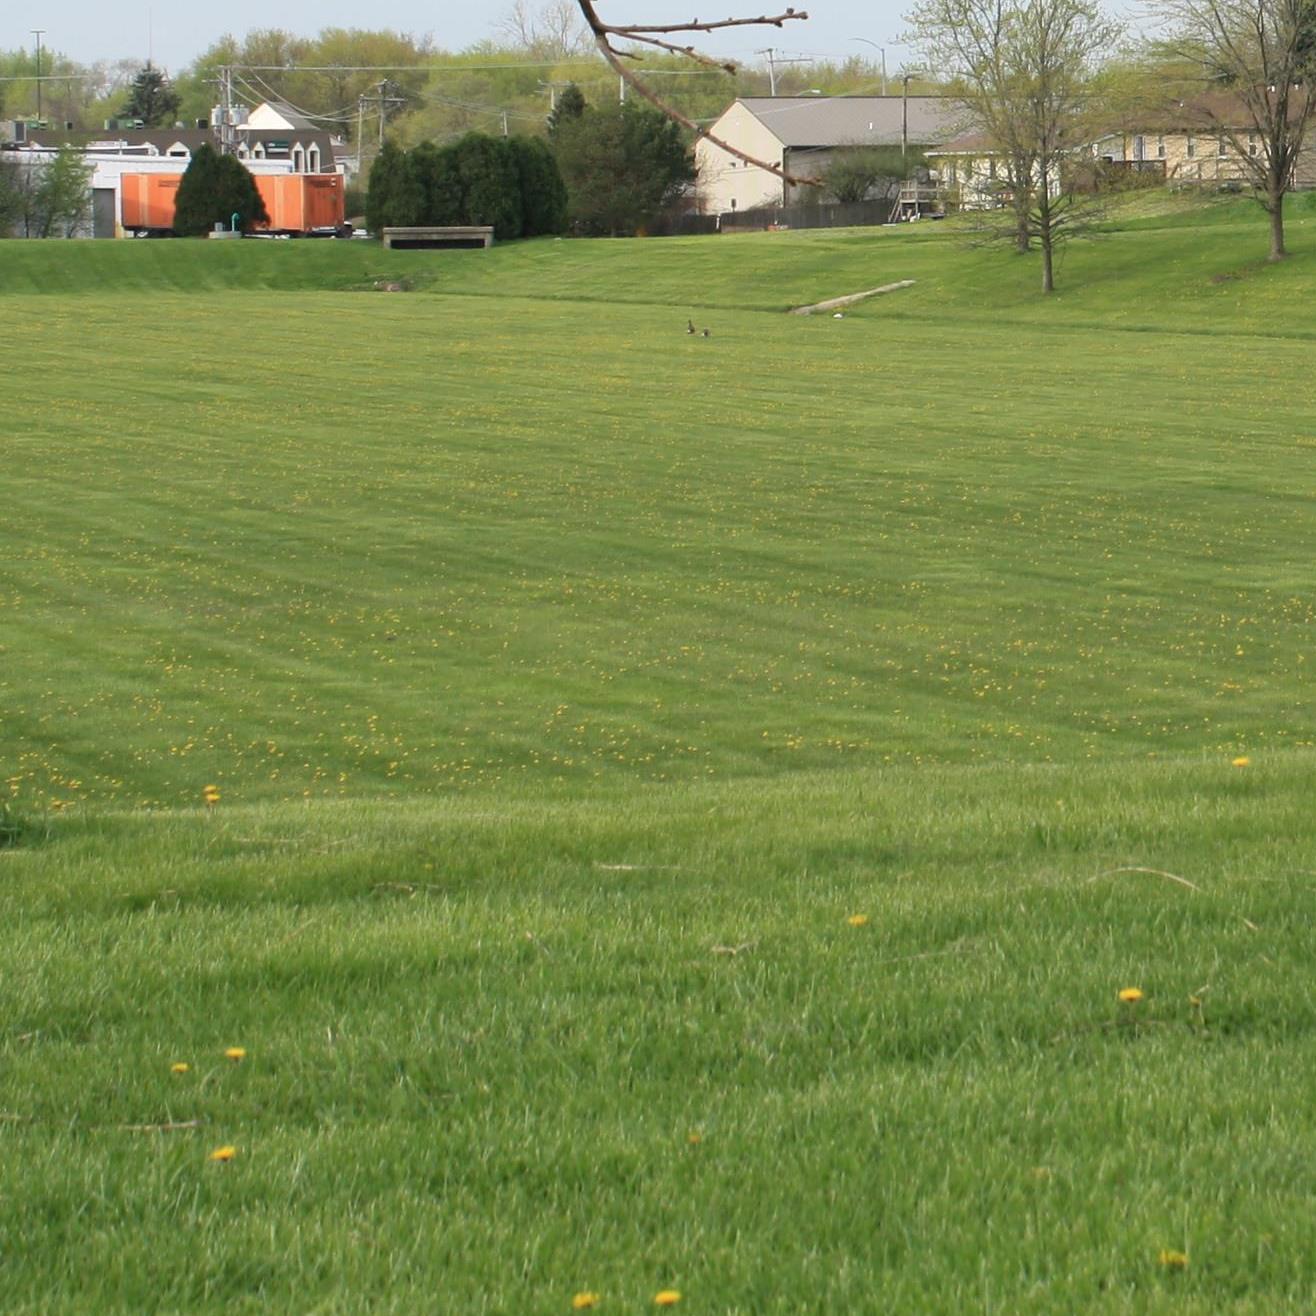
x,y
656,35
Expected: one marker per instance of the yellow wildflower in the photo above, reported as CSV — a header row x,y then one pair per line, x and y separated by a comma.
x,y
223,1153
1131,995
694,1137
179,1067
1242,761
857,920
210,794
236,1053
1173,1260
666,1298
583,1300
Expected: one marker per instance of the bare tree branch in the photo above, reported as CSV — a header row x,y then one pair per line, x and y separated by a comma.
x,y
605,34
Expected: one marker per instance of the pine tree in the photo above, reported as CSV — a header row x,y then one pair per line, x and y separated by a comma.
x,y
386,180
214,189
151,98
569,106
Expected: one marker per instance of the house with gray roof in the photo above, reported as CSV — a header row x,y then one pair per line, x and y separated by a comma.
x,y
802,135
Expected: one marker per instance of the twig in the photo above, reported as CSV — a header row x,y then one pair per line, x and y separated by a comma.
x,y
1154,872
605,33
733,950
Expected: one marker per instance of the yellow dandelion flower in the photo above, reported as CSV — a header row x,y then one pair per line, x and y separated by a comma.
x,y
223,1153
1131,995
1242,761
694,1137
179,1067
210,794
584,1300
857,920
666,1298
236,1053
1172,1260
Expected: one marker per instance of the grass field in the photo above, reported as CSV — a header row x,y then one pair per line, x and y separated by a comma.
x,y
686,807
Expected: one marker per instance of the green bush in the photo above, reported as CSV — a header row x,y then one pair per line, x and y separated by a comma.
x,y
512,184
214,188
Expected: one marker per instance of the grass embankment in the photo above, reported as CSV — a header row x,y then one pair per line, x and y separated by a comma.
x,y
569,684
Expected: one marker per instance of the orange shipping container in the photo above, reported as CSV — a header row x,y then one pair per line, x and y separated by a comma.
x,y
148,200
297,203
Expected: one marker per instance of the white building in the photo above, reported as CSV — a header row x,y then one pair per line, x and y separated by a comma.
x,y
801,135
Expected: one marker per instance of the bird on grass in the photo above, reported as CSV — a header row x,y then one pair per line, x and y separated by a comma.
x,y
689,326
707,333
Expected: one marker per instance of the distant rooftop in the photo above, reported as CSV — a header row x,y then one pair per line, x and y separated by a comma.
x,y
820,121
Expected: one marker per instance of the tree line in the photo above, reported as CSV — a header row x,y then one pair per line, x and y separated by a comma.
x,y
603,170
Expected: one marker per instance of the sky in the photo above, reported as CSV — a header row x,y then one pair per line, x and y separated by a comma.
x,y
175,33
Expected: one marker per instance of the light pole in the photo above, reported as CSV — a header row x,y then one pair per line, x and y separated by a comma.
x,y
904,120
881,50
38,32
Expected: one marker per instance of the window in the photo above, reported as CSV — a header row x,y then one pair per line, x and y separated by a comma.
x,y
178,151
313,160
1160,148
1253,146
298,160
1190,147
1222,146
1139,148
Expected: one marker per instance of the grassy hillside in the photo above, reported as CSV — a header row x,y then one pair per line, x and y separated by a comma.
x,y
686,807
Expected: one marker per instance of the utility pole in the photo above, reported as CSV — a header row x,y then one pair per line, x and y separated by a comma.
x,y
904,121
360,131
773,61
383,109
228,133
38,32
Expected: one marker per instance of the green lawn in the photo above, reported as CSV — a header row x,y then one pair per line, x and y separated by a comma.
x,y
570,685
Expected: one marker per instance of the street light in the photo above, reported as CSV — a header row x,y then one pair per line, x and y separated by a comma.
x,y
881,50
38,32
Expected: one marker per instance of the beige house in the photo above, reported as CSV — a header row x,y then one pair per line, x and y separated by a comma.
x,y
1195,157
802,135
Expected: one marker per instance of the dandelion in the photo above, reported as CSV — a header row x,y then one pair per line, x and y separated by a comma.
x,y
179,1067
584,1300
694,1137
236,1053
857,920
1131,995
1242,761
1172,1260
666,1298
211,796
223,1153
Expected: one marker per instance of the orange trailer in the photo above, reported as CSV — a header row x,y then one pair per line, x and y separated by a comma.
x,y
297,203
147,200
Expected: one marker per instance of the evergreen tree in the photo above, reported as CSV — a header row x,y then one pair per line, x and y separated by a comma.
x,y
622,164
543,193
490,184
569,106
385,180
151,98
214,188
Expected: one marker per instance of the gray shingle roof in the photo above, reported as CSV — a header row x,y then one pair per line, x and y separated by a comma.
x,y
805,121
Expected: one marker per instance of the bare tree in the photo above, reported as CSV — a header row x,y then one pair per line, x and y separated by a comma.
x,y
666,37
1255,61
1023,71
553,29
